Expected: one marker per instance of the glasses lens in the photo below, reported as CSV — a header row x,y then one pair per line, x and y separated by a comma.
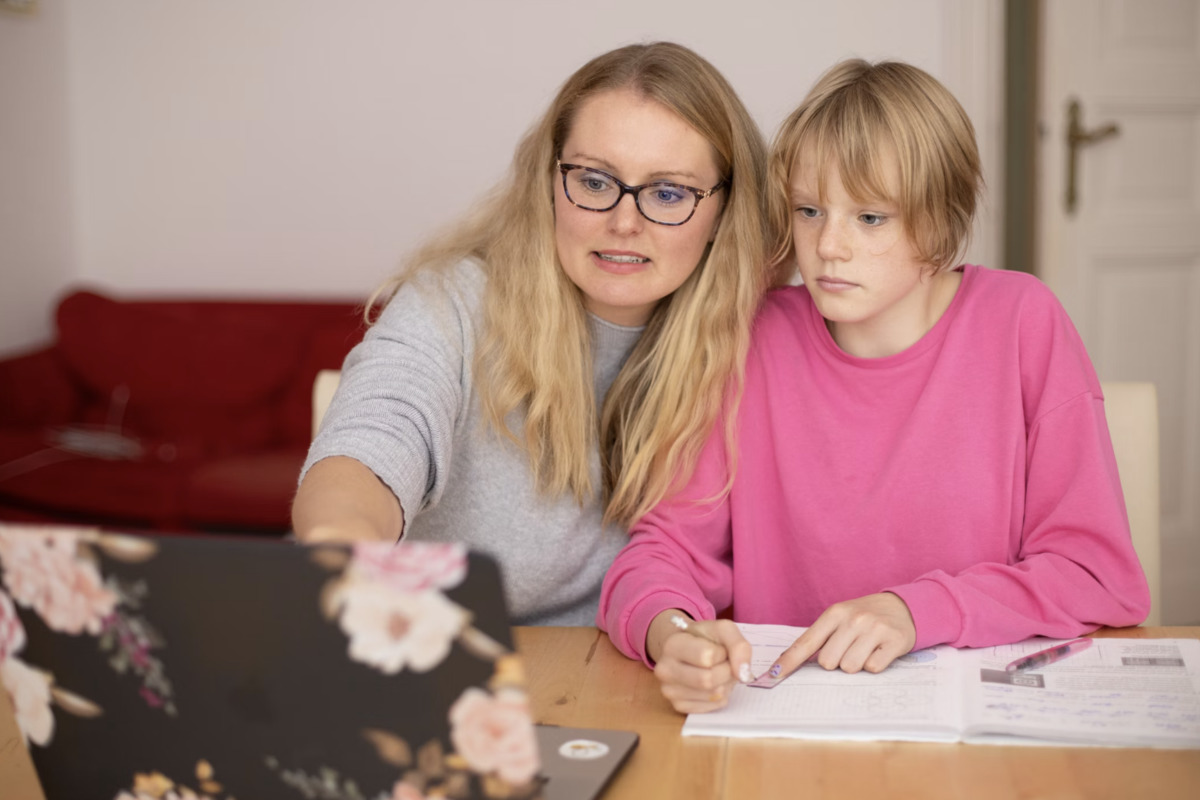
x,y
666,202
590,189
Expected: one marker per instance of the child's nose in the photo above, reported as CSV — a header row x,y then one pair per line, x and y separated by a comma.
x,y
831,245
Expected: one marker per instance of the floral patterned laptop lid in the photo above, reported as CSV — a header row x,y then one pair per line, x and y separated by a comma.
x,y
203,667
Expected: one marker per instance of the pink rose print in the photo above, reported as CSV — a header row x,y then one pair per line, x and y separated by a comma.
x,y
53,571
177,793
406,791
157,786
415,567
29,690
12,632
494,733
391,630
45,573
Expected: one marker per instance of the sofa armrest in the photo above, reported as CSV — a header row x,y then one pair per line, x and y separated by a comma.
x,y
36,389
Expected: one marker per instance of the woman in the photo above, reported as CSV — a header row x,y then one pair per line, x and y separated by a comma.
x,y
548,370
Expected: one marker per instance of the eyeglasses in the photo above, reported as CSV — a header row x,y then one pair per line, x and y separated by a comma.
x,y
666,203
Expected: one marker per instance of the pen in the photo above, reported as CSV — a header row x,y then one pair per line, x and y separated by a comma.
x,y
685,625
1048,656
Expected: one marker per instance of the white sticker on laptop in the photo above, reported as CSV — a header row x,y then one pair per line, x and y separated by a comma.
x,y
583,749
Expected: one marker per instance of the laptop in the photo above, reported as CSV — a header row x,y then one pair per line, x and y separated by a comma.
x,y
252,669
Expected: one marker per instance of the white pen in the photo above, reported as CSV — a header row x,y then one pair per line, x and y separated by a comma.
x,y
684,624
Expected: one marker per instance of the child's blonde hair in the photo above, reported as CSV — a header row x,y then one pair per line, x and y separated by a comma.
x,y
852,115
533,354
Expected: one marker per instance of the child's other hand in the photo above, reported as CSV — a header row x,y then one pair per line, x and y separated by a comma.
x,y
865,633
695,674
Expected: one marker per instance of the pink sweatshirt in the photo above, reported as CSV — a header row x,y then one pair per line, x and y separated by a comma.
x,y
971,474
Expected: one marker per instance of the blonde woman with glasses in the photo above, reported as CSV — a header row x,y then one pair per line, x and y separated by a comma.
x,y
547,371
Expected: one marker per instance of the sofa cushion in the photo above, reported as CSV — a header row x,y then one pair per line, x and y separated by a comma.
x,y
251,490
325,348
36,389
193,374
173,352
218,411
145,491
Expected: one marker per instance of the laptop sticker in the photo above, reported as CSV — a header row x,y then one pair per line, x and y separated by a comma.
x,y
228,646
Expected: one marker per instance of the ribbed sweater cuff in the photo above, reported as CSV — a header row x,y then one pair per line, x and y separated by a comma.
x,y
643,612
934,612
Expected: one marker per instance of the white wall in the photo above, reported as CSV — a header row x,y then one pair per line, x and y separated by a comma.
x,y
300,147
35,232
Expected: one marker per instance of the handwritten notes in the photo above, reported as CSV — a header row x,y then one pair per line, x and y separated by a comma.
x,y
1125,692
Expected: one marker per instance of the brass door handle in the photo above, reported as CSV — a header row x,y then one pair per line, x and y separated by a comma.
x,y
1077,137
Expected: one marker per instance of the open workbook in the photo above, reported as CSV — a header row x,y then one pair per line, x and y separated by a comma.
x,y
1120,692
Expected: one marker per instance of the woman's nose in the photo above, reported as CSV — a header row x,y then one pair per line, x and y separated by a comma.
x,y
625,218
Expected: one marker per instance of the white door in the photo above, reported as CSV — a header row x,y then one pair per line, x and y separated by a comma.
x,y
1126,261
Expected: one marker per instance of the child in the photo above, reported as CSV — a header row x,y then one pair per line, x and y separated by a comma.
x,y
923,456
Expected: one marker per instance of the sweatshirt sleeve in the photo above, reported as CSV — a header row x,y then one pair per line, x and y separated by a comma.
x,y
1074,568
403,387
678,556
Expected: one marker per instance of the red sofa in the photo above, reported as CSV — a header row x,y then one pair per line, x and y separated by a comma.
x,y
168,415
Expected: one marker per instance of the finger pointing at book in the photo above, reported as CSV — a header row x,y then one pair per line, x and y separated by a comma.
x,y
866,633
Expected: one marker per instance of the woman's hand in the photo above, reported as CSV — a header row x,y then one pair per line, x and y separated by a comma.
x,y
697,669
865,633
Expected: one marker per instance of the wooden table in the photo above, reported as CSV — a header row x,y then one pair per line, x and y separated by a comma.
x,y
578,678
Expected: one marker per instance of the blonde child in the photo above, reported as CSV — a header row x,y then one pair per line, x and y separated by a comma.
x,y
923,456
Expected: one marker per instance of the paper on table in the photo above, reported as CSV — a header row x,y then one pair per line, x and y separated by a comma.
x,y
1122,692
919,694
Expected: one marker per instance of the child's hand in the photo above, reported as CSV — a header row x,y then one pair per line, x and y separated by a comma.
x,y
865,633
697,669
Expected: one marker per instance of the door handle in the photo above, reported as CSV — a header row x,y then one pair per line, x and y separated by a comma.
x,y
1077,138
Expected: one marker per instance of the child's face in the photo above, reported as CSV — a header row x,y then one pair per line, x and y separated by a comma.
x,y
859,263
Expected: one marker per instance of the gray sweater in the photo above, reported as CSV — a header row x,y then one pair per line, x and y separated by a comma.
x,y
407,408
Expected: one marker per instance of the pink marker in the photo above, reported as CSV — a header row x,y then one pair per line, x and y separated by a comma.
x,y
1048,656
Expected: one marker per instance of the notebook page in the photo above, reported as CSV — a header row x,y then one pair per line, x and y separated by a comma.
x,y
1128,692
916,698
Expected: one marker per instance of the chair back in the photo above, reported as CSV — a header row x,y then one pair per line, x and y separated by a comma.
x,y
1132,412
323,388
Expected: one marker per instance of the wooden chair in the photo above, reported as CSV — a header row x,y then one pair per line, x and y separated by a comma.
x,y
1132,412
323,388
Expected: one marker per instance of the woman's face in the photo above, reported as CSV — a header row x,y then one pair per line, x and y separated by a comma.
x,y
621,261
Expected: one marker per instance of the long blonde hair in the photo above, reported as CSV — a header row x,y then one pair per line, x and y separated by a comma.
x,y
687,366
850,115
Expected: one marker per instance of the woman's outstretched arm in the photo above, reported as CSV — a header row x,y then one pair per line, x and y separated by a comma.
x,y
341,500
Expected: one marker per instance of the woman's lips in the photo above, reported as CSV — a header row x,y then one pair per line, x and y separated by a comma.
x,y
620,262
